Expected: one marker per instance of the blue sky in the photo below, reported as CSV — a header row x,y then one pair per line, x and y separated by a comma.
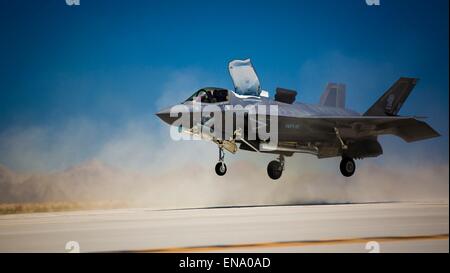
x,y
109,61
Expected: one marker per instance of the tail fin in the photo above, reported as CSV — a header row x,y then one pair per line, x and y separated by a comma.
x,y
390,103
334,95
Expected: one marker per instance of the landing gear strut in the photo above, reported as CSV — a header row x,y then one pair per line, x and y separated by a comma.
x,y
275,168
221,168
347,166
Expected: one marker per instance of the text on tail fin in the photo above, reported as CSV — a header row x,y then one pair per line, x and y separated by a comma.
x,y
390,103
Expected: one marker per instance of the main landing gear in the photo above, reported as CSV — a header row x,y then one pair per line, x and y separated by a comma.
x,y
275,168
221,168
347,166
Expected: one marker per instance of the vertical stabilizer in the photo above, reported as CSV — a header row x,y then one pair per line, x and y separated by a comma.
x,y
390,103
334,95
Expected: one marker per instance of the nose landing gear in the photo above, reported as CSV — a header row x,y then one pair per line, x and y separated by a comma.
x,y
221,167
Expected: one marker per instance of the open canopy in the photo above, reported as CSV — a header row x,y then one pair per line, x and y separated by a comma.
x,y
244,77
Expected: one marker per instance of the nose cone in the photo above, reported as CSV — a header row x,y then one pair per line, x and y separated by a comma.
x,y
164,115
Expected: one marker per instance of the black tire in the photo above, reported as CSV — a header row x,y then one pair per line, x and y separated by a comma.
x,y
221,169
347,166
274,169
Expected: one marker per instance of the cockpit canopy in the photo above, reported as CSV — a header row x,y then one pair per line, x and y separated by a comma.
x,y
210,95
244,77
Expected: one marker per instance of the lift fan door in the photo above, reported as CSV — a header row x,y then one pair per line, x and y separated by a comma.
x,y
244,77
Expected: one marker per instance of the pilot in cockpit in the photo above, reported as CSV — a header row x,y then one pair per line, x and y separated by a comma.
x,y
210,96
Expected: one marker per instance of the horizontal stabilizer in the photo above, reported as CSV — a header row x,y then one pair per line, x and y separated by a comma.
x,y
411,130
408,128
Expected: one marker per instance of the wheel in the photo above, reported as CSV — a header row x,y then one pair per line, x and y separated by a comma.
x,y
347,166
274,169
221,168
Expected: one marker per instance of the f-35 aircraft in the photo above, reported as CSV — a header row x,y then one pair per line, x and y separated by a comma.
x,y
327,129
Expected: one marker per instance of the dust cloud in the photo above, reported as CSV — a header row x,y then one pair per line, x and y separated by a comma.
x,y
139,164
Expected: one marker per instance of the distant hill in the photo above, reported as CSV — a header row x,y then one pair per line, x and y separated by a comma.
x,y
196,185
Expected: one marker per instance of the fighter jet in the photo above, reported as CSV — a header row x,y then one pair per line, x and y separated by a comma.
x,y
327,129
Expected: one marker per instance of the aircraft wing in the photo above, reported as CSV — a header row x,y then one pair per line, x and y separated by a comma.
x,y
410,129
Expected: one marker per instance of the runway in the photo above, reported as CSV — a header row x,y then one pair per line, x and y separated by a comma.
x,y
389,227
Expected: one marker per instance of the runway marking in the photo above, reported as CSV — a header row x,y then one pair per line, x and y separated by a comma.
x,y
294,243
